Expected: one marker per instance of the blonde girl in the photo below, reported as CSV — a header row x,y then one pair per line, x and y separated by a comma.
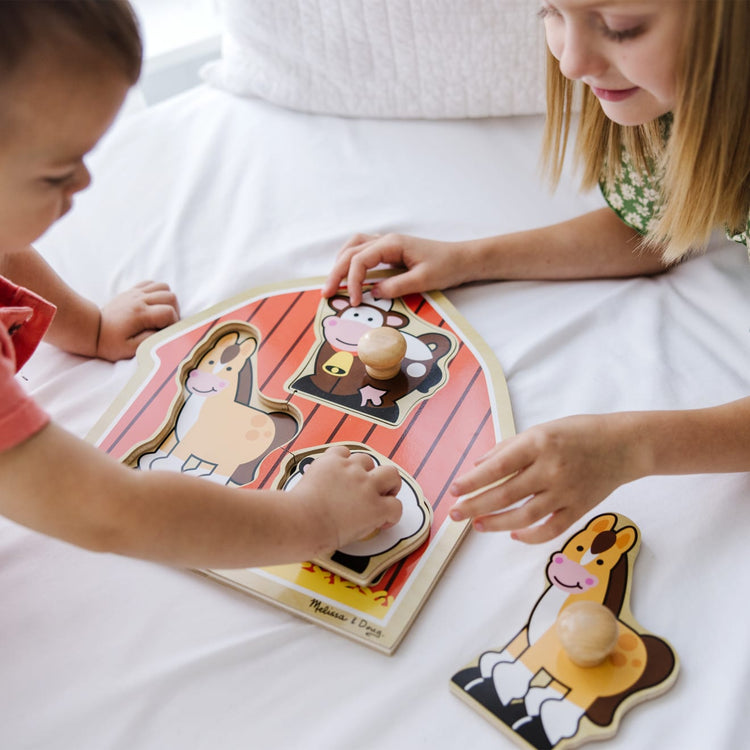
x,y
662,87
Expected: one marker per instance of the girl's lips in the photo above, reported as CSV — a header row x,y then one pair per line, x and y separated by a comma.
x,y
613,95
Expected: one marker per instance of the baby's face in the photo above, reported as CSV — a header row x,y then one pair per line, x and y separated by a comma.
x,y
51,118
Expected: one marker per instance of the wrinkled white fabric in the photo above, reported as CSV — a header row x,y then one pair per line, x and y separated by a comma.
x,y
216,194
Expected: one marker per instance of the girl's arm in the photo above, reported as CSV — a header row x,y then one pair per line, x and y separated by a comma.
x,y
79,326
62,486
595,245
562,469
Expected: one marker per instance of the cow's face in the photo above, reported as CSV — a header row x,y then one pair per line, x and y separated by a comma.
x,y
344,329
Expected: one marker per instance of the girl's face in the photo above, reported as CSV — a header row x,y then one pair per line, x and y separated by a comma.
x,y
625,51
49,121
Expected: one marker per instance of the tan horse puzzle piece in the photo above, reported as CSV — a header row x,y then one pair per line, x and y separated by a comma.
x,y
534,690
220,427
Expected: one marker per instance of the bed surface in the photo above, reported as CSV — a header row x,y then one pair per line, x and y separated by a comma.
x,y
216,194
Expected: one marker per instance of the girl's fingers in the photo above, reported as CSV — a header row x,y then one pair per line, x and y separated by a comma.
x,y
495,496
506,458
357,241
352,265
534,509
544,532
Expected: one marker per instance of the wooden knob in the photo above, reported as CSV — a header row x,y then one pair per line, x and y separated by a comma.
x,y
382,350
587,632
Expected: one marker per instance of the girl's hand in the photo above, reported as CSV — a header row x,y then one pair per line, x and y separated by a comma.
x,y
132,316
429,265
558,471
348,496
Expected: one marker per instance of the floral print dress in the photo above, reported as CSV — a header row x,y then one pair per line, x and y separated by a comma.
x,y
635,198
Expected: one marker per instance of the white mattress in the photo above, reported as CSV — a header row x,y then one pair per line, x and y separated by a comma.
x,y
215,195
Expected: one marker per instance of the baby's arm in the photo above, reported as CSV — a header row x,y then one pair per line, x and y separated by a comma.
x,y
594,245
562,469
64,487
79,326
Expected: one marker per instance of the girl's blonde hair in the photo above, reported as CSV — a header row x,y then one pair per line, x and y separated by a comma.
x,y
703,168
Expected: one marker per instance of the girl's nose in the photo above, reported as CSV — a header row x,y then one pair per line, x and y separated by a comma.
x,y
579,55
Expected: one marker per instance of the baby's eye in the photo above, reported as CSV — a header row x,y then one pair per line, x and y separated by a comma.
x,y
58,180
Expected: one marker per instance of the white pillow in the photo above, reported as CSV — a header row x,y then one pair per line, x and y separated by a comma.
x,y
385,58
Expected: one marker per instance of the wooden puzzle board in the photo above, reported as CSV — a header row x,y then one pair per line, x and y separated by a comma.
x,y
436,434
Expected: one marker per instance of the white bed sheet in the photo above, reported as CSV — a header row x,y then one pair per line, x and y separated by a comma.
x,y
216,194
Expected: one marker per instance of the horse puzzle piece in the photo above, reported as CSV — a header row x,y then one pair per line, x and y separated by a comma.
x,y
219,427
364,560
533,690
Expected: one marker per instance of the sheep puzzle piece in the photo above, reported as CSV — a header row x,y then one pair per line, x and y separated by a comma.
x,y
251,391
542,689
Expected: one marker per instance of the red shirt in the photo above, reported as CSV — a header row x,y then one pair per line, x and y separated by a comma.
x,y
24,318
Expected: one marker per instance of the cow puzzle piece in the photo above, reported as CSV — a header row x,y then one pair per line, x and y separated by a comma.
x,y
335,373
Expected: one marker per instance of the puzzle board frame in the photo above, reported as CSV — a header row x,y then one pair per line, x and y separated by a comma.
x,y
378,615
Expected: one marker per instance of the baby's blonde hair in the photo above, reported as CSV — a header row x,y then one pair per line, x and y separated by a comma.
x,y
704,166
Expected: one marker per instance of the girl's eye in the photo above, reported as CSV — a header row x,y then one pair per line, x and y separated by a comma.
x,y
621,35
546,11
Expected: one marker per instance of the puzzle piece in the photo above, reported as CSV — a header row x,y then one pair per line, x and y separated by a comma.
x,y
571,672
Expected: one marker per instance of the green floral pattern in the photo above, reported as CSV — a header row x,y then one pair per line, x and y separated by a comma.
x,y
742,237
635,198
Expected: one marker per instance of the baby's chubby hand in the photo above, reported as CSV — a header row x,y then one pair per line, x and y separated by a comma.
x,y
132,316
348,496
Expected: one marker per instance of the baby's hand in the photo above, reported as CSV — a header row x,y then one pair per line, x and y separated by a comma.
x,y
560,470
429,265
132,316
349,495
